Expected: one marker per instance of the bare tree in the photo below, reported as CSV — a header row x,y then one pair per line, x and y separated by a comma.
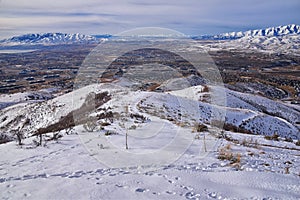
x,y
19,133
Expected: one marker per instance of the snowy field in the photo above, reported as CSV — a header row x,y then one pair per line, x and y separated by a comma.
x,y
67,170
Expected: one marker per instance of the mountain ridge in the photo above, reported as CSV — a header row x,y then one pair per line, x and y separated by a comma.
x,y
77,38
51,38
291,29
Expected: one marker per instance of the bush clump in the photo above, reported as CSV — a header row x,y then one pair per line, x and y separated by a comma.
x,y
108,132
199,127
90,126
274,137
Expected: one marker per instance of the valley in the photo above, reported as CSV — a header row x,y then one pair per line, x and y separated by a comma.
x,y
212,118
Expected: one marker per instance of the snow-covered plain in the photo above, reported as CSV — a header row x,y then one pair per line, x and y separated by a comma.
x,y
166,158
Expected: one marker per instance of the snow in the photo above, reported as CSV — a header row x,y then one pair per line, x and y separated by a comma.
x,y
166,159
281,39
271,44
246,111
66,170
7,100
290,29
49,39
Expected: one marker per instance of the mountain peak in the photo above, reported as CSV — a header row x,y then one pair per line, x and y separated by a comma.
x,y
290,29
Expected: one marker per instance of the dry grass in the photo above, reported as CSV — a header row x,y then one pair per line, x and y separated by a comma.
x,y
250,143
274,137
199,127
225,153
205,88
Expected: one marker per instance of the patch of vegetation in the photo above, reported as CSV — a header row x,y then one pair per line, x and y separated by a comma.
x,y
109,132
138,117
250,143
198,127
55,136
4,139
225,153
288,139
205,88
133,127
104,123
90,126
92,102
274,137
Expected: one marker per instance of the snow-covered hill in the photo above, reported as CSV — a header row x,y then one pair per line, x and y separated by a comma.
x,y
290,29
243,112
256,168
7,100
50,39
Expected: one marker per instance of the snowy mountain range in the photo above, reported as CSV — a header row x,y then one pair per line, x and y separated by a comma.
x,y
291,29
275,44
64,38
51,39
281,39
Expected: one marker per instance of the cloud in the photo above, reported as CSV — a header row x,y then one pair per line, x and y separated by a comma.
x,y
106,16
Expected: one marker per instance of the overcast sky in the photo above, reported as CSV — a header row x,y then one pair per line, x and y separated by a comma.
x,y
191,17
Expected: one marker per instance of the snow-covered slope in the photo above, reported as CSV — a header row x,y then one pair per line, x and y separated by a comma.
x,y
7,100
67,167
281,39
290,29
275,44
50,39
244,112
281,44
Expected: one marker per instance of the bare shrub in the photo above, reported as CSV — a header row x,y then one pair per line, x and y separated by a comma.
x,y
199,127
138,117
104,124
225,153
55,136
38,141
4,139
250,143
70,131
274,137
287,170
18,135
205,88
133,127
90,125
288,139
109,132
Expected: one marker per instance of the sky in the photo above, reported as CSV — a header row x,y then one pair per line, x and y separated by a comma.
x,y
191,17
